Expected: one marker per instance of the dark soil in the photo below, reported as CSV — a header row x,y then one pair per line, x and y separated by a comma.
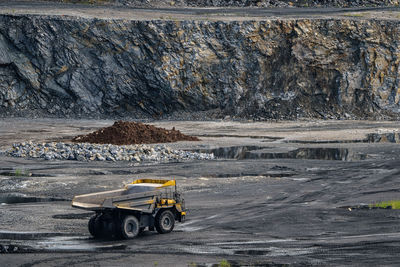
x,y
128,133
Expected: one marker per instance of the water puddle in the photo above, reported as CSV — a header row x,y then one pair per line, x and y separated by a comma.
x,y
12,235
383,138
251,252
310,153
257,249
35,242
234,152
15,198
327,141
75,243
116,172
371,138
22,173
246,174
259,152
267,138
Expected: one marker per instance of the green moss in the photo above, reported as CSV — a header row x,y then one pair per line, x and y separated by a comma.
x,y
21,172
394,204
224,263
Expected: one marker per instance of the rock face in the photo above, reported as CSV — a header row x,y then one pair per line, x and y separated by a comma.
x,y
279,69
257,3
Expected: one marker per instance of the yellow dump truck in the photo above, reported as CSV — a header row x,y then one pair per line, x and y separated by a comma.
x,y
124,213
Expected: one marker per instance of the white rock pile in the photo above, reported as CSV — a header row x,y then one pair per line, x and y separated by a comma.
x,y
97,152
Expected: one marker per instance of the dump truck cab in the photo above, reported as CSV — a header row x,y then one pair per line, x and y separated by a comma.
x,y
145,203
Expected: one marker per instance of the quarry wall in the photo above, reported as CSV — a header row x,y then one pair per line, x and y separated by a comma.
x,y
273,69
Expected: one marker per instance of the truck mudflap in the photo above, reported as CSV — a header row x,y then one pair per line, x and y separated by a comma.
x,y
182,218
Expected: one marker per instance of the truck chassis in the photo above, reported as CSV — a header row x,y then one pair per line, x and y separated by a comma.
x,y
125,213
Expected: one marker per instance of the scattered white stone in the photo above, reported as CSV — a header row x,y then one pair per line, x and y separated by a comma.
x,y
97,152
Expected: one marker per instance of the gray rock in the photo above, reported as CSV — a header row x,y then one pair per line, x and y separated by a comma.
x,y
90,152
272,69
109,158
257,3
80,157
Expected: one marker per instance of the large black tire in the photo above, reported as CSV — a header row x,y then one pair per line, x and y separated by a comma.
x,y
165,222
95,226
91,225
109,229
130,227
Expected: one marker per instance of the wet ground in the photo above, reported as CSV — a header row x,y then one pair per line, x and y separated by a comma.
x,y
279,193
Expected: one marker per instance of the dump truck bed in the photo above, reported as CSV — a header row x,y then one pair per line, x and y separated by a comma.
x,y
140,196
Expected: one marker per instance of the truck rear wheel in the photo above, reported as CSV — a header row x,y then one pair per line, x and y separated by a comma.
x,y
94,225
165,222
130,227
91,225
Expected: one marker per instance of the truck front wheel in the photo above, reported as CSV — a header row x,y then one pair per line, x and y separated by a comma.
x,y
130,227
165,222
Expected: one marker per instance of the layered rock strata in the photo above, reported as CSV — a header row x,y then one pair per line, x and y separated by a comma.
x,y
254,3
272,69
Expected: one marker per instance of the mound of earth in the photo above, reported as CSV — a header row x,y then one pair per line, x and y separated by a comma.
x,y
128,133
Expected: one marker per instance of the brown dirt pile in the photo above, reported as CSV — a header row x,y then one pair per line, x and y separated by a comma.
x,y
128,133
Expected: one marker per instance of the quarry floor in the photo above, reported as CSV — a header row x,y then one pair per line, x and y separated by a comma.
x,y
279,193
24,7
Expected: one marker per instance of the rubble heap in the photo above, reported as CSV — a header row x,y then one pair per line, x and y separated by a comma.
x,y
95,152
